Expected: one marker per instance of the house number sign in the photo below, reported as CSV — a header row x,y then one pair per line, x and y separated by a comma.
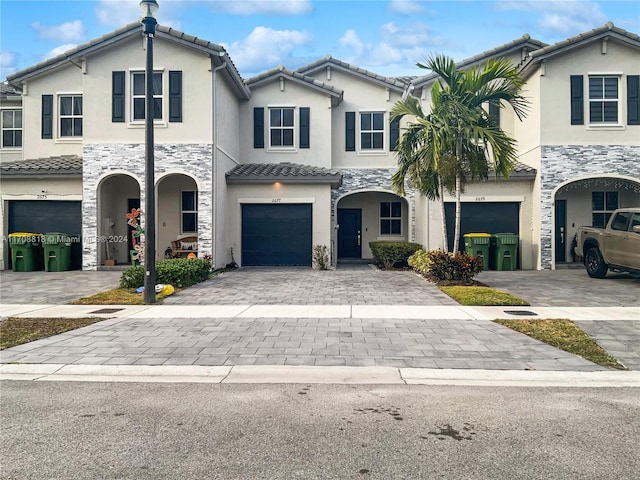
x,y
276,200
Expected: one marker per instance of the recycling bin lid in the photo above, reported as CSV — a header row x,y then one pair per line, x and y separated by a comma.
x,y
24,234
477,235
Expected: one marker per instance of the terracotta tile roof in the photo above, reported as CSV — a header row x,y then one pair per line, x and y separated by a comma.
x,y
328,60
520,172
7,90
69,165
284,172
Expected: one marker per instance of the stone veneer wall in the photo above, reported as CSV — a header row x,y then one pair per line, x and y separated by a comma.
x,y
99,160
561,163
359,179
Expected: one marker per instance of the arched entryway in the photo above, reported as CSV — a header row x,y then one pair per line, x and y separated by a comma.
x,y
365,216
177,210
117,195
587,201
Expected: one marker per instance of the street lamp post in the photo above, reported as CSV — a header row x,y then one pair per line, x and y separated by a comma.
x,y
149,11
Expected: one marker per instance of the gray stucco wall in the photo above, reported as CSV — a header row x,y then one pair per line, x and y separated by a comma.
x,y
101,160
562,163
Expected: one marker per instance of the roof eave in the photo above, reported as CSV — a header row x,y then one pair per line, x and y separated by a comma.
x,y
335,180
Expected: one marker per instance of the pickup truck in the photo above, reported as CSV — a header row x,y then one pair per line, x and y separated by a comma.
x,y
615,247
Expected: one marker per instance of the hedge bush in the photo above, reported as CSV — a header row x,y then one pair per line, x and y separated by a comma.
x,y
393,254
441,267
179,272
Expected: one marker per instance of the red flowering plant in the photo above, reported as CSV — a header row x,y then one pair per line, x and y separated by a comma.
x,y
138,232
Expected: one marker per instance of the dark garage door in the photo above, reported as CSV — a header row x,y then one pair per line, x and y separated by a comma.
x,y
483,217
276,234
39,216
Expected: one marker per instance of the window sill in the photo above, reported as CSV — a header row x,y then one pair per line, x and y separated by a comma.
x,y
606,126
143,124
11,149
372,152
69,140
282,150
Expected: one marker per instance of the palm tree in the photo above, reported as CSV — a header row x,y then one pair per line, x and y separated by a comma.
x,y
458,140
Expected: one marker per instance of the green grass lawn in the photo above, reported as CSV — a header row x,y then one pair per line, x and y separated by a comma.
x,y
16,331
481,296
117,296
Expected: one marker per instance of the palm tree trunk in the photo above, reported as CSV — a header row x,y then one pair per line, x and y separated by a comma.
x,y
456,238
445,240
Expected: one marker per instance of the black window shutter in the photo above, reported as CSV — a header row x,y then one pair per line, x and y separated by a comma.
x,y
394,134
47,116
494,113
577,100
117,97
258,127
304,127
350,132
633,99
175,96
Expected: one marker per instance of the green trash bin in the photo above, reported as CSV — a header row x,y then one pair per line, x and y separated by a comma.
x,y
477,245
57,251
26,254
506,251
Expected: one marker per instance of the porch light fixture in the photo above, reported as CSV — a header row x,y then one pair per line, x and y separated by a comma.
x,y
149,12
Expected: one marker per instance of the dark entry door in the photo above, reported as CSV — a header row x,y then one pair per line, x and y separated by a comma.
x,y
350,233
279,234
561,231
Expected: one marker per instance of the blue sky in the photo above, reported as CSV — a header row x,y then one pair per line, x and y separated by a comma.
x,y
384,36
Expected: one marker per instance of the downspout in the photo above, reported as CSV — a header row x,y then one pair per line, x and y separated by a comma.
x,y
214,153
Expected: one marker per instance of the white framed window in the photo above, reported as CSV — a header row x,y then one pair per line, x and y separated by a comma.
x,y
189,211
371,130
11,125
604,99
138,90
69,116
602,206
281,127
390,218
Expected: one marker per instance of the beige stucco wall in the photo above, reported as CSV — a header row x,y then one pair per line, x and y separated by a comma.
x,y
318,195
294,95
50,188
359,95
555,95
64,80
168,198
130,56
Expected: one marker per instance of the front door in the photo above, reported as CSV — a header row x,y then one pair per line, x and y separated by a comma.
x,y
561,231
349,233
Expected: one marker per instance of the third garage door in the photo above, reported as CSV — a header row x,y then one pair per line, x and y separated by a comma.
x,y
277,234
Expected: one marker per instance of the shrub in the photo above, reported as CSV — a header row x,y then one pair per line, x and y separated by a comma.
x,y
320,256
179,272
441,267
393,254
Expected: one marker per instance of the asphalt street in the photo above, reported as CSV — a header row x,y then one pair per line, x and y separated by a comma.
x,y
195,431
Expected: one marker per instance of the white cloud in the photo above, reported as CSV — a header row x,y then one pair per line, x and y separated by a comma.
x,y
59,50
118,12
65,32
396,46
406,7
8,63
263,7
265,48
560,16
351,39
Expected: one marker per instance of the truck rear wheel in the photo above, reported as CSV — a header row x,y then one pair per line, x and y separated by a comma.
x,y
593,261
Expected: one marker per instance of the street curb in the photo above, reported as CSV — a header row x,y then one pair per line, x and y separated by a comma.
x,y
278,374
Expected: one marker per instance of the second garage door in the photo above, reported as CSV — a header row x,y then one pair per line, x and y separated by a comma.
x,y
278,234
483,217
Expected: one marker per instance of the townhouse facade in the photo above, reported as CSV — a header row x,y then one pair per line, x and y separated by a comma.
x,y
262,169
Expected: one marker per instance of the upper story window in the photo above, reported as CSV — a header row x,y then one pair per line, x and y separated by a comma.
x,y
281,127
603,99
390,218
138,96
70,116
189,211
11,128
602,206
371,131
